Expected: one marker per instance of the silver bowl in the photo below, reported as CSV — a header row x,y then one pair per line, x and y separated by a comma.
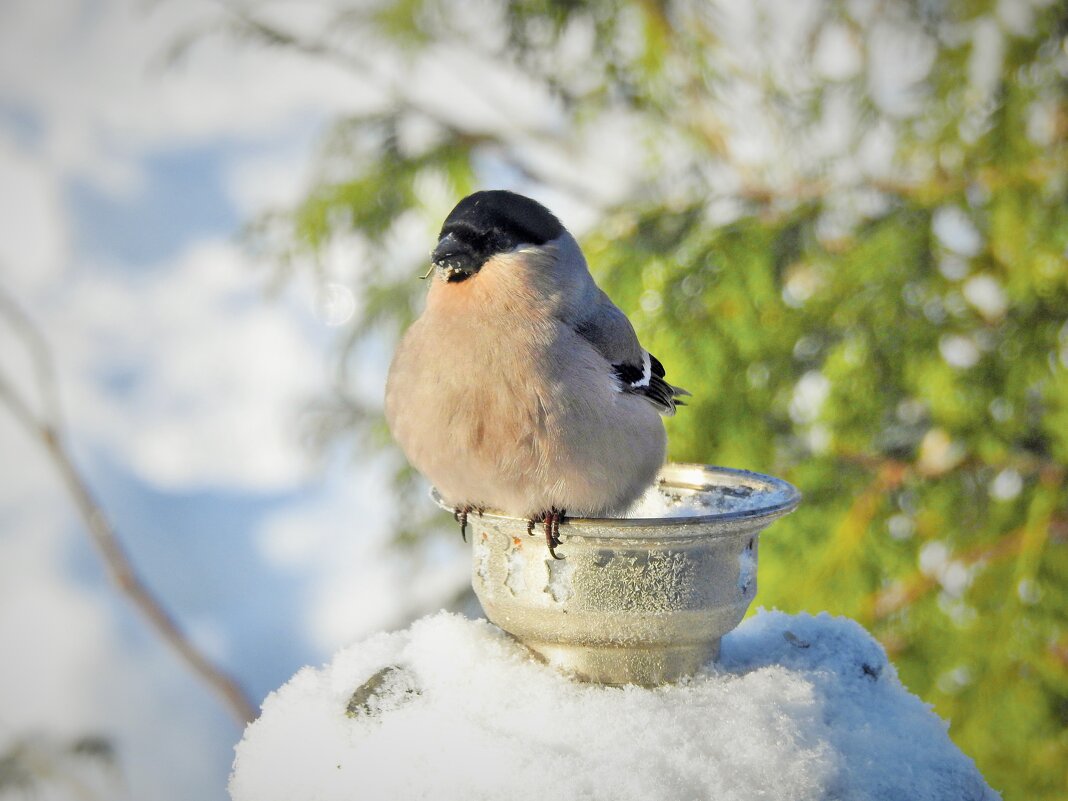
x,y
635,600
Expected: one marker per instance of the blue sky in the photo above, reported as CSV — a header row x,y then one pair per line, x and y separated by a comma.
x,y
125,188
183,198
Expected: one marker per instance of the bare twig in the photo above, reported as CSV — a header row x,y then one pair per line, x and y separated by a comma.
x,y
47,431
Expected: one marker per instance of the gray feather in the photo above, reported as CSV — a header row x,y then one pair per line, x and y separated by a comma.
x,y
610,332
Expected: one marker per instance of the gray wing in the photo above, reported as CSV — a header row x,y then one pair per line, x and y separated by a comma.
x,y
635,369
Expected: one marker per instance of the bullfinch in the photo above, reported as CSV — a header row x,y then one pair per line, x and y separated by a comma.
x,y
522,388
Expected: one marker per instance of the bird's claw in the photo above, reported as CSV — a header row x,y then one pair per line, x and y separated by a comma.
x,y
551,521
460,513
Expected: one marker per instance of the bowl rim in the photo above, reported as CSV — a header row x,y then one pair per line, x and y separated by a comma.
x,y
790,501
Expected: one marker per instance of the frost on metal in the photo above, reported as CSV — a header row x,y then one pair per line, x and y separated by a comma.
x,y
661,581
747,568
799,708
481,559
559,584
515,564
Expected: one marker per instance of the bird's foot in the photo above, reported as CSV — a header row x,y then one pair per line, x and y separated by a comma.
x,y
551,520
460,513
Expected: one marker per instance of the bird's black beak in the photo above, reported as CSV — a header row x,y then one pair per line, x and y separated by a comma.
x,y
455,258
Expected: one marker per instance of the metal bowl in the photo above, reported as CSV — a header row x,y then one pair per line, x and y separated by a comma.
x,y
635,600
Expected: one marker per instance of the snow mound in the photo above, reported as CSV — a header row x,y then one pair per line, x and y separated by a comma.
x,y
799,707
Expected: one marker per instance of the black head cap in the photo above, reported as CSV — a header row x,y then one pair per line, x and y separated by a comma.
x,y
487,223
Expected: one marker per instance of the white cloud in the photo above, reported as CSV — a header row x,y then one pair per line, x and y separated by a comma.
x,y
112,93
273,177
33,247
184,372
188,373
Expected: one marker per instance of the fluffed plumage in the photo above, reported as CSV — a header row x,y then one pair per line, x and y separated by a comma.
x,y
522,387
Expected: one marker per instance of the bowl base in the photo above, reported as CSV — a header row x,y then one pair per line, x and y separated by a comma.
x,y
619,665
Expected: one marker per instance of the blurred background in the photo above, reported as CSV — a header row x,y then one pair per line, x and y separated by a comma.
x,y
842,225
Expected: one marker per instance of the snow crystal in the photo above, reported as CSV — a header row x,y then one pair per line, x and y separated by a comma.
x,y
559,585
667,501
482,560
798,708
515,580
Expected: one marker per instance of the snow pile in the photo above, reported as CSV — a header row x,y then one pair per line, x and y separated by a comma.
x,y
800,707
667,501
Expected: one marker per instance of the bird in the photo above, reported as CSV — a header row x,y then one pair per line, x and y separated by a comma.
x,y
522,387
